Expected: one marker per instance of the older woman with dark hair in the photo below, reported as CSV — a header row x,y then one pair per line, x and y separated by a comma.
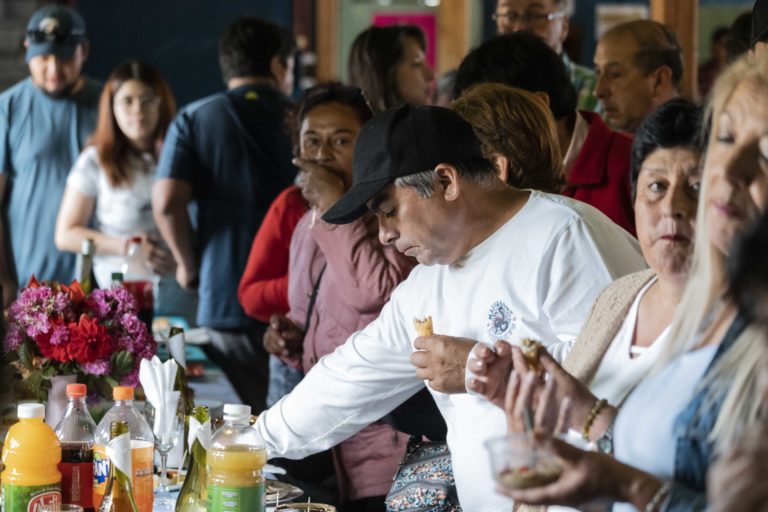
x,y
388,64
629,322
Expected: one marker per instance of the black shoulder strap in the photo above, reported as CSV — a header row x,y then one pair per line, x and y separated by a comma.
x,y
313,297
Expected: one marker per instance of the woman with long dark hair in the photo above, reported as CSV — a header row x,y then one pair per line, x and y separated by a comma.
x,y
111,181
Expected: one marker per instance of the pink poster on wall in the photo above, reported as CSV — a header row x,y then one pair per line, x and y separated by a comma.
x,y
426,22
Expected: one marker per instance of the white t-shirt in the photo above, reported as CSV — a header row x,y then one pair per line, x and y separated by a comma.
x,y
536,276
619,372
644,432
120,211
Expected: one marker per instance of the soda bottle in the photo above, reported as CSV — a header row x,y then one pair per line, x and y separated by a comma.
x,y
75,432
193,496
235,459
119,493
142,450
139,279
31,453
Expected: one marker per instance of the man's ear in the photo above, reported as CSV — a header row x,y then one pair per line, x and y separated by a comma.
x,y
277,68
501,163
447,182
662,81
85,48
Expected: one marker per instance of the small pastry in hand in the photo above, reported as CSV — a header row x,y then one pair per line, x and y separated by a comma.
x,y
531,353
423,326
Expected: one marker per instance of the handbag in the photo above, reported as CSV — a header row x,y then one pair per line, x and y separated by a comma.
x,y
424,480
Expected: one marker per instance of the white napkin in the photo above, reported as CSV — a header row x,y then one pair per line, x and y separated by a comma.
x,y
158,379
176,349
199,431
119,453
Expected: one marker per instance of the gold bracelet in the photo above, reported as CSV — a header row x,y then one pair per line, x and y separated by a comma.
x,y
599,406
658,499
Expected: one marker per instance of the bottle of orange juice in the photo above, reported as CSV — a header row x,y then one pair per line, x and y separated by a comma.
x,y
31,455
235,459
142,450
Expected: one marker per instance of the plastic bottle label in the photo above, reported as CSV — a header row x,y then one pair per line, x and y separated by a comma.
x,y
29,498
142,463
76,483
236,499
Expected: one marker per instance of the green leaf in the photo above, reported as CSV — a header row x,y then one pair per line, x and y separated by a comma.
x,y
122,363
26,354
49,370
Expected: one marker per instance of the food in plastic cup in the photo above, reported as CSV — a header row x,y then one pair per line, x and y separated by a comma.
x,y
518,464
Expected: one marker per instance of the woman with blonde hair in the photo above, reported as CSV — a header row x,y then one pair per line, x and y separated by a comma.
x,y
517,133
703,391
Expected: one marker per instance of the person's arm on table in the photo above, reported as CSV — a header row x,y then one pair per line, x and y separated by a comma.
x,y
354,386
170,198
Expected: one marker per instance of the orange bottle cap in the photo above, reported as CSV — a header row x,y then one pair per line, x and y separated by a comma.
x,y
122,393
76,390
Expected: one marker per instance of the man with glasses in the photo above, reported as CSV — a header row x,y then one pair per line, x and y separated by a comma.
x,y
44,122
548,19
228,153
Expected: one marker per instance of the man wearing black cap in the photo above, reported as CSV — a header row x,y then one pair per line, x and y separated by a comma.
x,y
497,263
760,28
44,121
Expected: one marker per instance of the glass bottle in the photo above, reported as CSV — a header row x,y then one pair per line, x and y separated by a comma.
x,y
119,494
75,432
84,265
193,496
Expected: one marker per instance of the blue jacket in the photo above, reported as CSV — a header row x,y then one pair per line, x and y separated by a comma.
x,y
695,451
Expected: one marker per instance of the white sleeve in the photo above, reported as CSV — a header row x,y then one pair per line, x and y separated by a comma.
x,y
84,176
347,390
583,260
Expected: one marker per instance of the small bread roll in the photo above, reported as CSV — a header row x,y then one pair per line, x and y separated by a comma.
x,y
423,326
531,352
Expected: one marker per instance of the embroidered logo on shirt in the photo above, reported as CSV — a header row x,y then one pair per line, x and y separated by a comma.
x,y
501,321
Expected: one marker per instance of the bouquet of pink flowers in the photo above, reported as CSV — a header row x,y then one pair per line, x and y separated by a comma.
x,y
55,329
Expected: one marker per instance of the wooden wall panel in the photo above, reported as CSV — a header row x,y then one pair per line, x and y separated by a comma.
x,y
453,34
683,17
327,39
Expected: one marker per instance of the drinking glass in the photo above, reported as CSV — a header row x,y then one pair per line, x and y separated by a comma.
x,y
164,443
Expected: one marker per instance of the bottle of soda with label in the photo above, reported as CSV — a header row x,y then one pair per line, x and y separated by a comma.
x,y
235,459
119,493
142,450
31,454
75,432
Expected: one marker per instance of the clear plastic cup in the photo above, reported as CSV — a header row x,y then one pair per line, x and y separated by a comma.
x,y
518,464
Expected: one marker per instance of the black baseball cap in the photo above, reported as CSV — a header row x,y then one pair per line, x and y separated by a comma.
x,y
759,21
54,30
399,142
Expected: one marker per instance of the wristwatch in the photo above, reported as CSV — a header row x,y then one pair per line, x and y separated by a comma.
x,y
605,442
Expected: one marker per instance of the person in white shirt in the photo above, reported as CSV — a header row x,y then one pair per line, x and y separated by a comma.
x,y
496,263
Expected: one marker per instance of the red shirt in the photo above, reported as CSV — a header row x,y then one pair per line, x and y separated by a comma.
x,y
263,289
600,175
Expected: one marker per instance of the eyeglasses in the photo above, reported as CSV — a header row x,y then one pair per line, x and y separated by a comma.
x,y
54,36
145,102
527,18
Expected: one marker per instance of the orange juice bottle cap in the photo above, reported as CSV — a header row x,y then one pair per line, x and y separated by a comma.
x,y
76,390
122,393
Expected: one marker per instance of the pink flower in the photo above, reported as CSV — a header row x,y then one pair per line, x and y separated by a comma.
x,y
101,367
